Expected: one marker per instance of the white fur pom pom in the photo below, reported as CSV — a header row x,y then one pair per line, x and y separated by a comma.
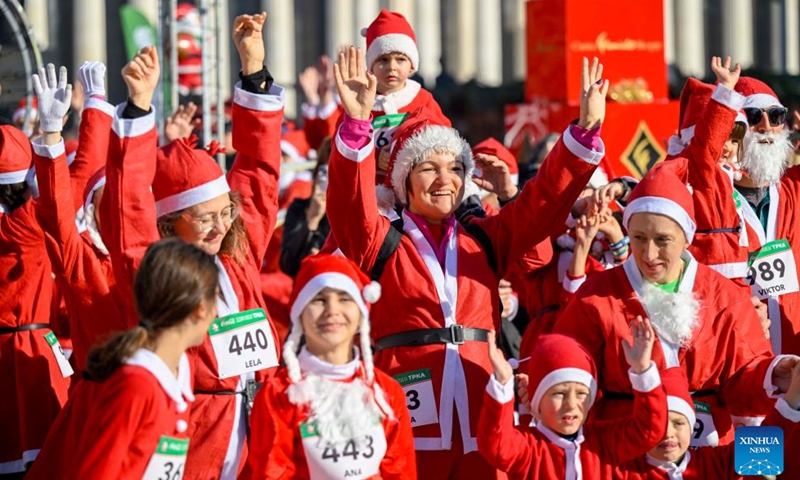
x,y
364,32
690,188
371,292
514,363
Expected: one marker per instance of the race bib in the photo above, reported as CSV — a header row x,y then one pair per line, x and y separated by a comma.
x,y
243,343
168,460
420,400
354,459
772,271
705,432
384,128
58,352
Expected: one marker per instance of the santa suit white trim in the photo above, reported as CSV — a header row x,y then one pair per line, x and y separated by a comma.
x,y
674,472
731,270
391,103
99,104
132,127
572,449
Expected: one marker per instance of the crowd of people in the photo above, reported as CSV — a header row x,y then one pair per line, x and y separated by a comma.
x,y
161,318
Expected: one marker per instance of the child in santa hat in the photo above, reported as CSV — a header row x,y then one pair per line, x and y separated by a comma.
x,y
329,413
673,460
562,387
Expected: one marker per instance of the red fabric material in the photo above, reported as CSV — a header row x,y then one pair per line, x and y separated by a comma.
x,y
490,146
181,167
115,441
665,180
90,155
388,23
729,353
276,288
553,352
15,150
276,447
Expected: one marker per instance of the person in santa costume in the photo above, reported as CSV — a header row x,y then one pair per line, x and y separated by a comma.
x,y
28,348
440,297
704,321
329,413
562,388
128,419
672,459
392,56
229,217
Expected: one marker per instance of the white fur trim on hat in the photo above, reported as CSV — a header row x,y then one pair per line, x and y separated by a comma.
x,y
290,150
393,42
88,218
661,206
431,139
338,281
13,177
679,405
761,100
561,375
193,196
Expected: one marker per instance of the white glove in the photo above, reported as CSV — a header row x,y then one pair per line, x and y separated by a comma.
x,y
91,75
54,99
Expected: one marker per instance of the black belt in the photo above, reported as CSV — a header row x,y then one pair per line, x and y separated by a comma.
x,y
629,396
721,230
23,328
542,311
219,392
456,335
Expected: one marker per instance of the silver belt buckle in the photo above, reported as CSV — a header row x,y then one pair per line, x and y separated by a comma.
x,y
457,334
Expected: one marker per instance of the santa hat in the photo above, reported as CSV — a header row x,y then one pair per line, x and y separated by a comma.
x,y
316,273
557,359
16,156
95,182
185,177
418,137
757,93
389,33
19,113
295,145
663,192
490,146
678,398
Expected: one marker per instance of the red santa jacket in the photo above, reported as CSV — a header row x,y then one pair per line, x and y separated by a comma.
x,y
726,364
419,294
129,226
321,122
539,453
277,450
83,272
112,428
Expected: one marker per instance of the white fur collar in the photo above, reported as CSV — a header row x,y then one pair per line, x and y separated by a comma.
x,y
393,102
572,449
675,471
312,364
178,389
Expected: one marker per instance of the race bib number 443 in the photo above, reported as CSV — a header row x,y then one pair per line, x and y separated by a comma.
x,y
243,343
168,460
772,270
419,396
356,458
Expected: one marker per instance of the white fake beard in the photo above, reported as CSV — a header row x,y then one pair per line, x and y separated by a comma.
x,y
766,162
673,315
341,411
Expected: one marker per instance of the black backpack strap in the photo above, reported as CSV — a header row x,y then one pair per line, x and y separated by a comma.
x,y
390,243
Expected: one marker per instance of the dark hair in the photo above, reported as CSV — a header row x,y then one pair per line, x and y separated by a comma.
x,y
323,155
234,244
13,194
173,280
738,131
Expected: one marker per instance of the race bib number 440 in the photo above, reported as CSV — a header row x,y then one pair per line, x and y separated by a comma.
x,y
243,343
772,270
419,396
356,458
168,460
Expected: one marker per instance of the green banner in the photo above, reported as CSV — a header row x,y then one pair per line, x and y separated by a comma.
x,y
391,120
51,338
308,430
771,248
137,30
701,407
410,378
236,320
172,446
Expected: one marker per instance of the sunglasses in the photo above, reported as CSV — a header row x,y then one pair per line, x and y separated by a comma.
x,y
776,115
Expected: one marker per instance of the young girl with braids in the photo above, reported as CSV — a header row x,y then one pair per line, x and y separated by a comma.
x,y
128,418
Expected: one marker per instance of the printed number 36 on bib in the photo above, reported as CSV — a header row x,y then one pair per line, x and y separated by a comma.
x,y
772,270
168,460
243,343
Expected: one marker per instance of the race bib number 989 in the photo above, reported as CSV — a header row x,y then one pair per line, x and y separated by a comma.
x,y
243,343
772,271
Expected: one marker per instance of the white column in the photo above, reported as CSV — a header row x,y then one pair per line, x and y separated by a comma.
x,y
776,43
404,7
428,29
89,29
690,37
791,35
36,10
365,13
280,48
339,18
514,23
489,32
466,37
149,9
669,31
225,53
737,31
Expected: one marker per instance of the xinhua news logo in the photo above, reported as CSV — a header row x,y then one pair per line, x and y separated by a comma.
x,y
759,451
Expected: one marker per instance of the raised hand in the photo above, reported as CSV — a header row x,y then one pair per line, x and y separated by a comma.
x,y
249,41
356,85
141,76
182,123
54,97
309,83
609,193
502,369
326,81
783,373
586,228
593,94
724,74
638,352
92,78
496,177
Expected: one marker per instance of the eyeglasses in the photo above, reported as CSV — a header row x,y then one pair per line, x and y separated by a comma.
x,y
205,223
776,115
